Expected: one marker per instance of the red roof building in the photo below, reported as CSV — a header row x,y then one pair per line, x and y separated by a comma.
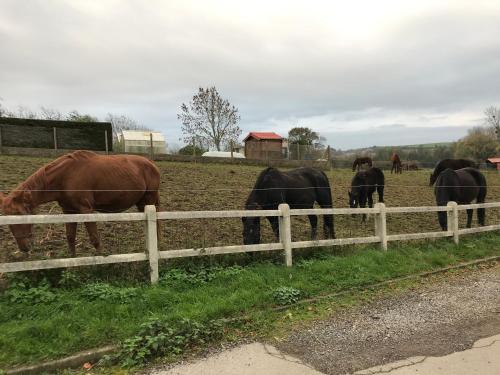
x,y
495,161
263,146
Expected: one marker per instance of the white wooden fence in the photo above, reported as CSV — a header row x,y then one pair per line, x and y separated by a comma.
x,y
284,214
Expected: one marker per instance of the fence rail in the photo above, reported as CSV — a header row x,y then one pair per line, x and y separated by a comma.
x,y
285,244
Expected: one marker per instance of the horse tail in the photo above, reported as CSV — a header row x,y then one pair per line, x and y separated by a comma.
x,y
324,199
481,195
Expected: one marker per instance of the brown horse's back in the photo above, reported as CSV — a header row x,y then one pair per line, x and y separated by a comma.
x,y
107,183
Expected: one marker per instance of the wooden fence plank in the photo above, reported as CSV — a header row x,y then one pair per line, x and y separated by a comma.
x,y
169,254
335,242
70,262
487,228
417,236
72,218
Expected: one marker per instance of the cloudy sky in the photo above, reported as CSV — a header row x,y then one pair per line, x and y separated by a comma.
x,y
361,73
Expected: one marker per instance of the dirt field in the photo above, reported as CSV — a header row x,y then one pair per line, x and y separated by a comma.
x,y
191,186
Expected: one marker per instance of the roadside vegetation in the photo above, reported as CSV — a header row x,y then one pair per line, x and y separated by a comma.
x,y
51,314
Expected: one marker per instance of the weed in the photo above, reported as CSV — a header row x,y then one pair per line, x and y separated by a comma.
x,y
159,338
19,292
285,295
107,292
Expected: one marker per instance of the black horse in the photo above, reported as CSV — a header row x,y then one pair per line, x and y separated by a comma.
x,y
300,188
363,186
358,162
452,164
461,186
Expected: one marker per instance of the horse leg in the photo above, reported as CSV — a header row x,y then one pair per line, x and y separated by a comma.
x,y
328,229
380,191
273,220
481,213
94,236
469,218
313,220
71,237
370,202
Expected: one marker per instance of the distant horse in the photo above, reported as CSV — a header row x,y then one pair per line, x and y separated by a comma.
x,y
410,166
461,186
83,182
452,164
396,164
300,188
358,162
363,185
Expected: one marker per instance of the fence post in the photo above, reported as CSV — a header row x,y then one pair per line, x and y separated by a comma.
x,y
1,151
381,225
106,141
329,158
285,232
54,130
151,150
452,220
232,147
152,241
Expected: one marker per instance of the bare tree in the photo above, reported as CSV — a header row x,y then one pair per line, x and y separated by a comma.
x,y
209,119
50,113
122,122
25,112
493,118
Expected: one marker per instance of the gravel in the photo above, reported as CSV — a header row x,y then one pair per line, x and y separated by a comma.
x,y
442,315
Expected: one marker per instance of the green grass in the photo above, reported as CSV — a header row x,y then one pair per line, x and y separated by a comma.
x,y
35,326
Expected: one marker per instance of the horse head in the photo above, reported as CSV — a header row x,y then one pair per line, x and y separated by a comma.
x,y
353,198
251,227
19,203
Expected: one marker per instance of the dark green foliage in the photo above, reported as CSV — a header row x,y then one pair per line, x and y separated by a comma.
x,y
71,135
107,292
189,149
20,292
285,295
159,338
199,275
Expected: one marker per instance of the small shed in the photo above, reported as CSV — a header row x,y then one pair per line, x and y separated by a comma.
x,y
223,154
140,142
263,146
495,161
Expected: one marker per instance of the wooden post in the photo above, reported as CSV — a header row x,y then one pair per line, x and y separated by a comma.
x,y
285,232
151,151
231,145
55,137
381,225
329,158
194,147
298,151
0,139
452,220
152,242
106,141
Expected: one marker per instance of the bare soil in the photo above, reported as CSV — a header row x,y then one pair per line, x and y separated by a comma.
x,y
194,186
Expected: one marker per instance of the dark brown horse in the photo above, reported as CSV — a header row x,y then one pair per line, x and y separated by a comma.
x,y
396,164
83,182
360,161
452,164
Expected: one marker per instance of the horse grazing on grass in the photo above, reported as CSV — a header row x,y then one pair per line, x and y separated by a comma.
x,y
300,188
363,185
396,164
461,186
452,164
83,182
358,162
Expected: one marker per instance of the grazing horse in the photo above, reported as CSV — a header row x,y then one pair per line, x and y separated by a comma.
x,y
360,161
363,185
452,164
396,163
461,186
83,182
300,188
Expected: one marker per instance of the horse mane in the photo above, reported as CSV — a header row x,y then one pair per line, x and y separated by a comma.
x,y
37,180
251,200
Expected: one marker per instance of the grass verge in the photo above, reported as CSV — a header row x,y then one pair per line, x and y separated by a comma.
x,y
45,321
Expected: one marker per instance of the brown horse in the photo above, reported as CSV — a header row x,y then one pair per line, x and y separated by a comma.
x,y
361,160
396,163
83,182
